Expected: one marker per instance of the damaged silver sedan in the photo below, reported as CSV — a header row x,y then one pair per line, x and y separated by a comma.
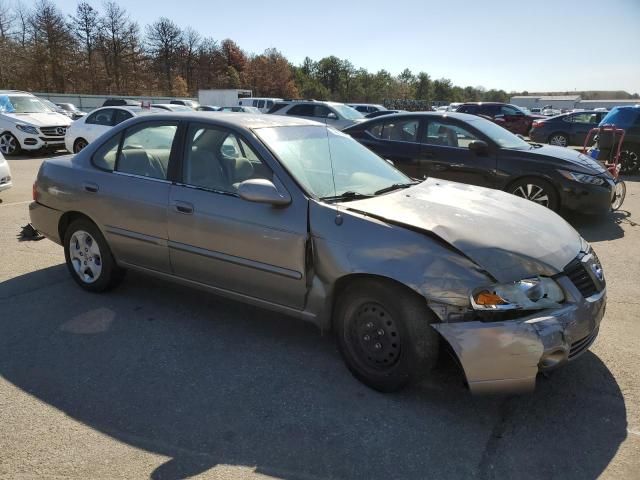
x,y
294,216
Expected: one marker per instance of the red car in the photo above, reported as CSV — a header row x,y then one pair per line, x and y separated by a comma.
x,y
504,114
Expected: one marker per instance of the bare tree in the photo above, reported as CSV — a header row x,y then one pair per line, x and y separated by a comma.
x,y
86,27
164,40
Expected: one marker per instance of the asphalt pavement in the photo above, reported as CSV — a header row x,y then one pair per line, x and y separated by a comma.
x,y
154,380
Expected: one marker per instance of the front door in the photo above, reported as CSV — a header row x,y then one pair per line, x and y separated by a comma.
x,y
219,239
446,151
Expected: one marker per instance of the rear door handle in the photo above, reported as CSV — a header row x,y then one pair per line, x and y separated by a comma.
x,y
90,187
185,208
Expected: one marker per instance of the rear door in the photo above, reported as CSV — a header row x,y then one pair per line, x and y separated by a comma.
x,y
446,152
128,193
514,120
397,140
581,123
219,239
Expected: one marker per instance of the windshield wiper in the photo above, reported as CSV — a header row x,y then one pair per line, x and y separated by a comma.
x,y
395,186
348,195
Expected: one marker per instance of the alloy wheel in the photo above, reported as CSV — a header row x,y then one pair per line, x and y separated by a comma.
x,y
8,144
558,140
532,192
79,145
629,162
619,193
375,338
85,256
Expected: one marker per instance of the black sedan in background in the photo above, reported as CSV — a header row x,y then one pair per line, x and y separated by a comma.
x,y
470,149
565,129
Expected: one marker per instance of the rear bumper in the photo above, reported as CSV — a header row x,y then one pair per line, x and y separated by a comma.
x,y
45,220
505,357
538,136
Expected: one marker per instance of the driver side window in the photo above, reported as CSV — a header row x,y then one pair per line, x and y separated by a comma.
x,y
217,159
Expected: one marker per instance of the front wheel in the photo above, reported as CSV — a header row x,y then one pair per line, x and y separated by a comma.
x,y
89,257
619,193
536,190
9,145
385,335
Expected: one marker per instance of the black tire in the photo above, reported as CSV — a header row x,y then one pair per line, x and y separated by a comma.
x,y
558,139
110,274
79,144
394,318
629,161
9,145
521,188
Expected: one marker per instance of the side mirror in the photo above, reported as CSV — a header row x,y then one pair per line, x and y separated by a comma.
x,y
260,190
332,116
479,147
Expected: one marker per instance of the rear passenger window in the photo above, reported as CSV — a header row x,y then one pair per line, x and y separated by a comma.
x,y
101,117
302,110
398,130
146,149
260,104
120,116
105,157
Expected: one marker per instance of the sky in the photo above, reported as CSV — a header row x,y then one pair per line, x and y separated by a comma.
x,y
518,45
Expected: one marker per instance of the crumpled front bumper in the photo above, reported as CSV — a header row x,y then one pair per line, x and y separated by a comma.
x,y
505,357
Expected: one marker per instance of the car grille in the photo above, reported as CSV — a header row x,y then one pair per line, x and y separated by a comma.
x,y
578,273
581,345
53,131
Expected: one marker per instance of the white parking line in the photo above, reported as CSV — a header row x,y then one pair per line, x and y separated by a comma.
x,y
14,203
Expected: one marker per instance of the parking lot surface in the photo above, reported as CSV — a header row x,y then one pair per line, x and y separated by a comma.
x,y
156,380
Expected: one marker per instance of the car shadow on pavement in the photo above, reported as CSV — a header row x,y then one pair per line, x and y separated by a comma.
x,y
596,228
212,382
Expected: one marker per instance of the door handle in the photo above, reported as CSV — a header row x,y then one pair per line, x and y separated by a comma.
x,y
185,208
90,187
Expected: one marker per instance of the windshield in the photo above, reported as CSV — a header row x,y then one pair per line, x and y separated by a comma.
x,y
329,163
21,104
347,112
501,136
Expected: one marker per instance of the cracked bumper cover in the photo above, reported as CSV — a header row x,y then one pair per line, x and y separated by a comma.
x,y
505,357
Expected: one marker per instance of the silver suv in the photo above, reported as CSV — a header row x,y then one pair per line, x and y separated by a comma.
x,y
337,115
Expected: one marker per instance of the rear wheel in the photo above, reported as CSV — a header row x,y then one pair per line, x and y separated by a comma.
x,y
89,257
559,139
9,145
537,190
79,144
384,334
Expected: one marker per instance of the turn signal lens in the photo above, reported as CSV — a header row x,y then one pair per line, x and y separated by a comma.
x,y
489,298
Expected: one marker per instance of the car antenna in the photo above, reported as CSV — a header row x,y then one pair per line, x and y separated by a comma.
x,y
338,218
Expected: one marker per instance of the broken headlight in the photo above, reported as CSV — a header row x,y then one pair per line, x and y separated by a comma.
x,y
528,294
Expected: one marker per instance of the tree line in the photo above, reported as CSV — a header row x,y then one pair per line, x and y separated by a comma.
x,y
102,51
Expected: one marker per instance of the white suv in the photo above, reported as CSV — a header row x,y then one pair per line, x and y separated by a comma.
x,y
26,123
338,115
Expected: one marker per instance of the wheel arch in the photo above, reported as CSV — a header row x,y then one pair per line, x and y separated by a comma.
x,y
342,283
71,216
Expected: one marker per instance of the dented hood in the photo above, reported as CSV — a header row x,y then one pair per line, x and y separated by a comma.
x,y
511,238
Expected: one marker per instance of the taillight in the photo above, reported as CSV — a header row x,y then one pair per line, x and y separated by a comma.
x,y
34,192
536,124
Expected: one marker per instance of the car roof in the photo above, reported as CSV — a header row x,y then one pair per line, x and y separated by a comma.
x,y
239,120
465,117
130,108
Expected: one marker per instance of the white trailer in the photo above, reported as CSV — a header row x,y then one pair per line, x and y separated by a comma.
x,y
222,97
